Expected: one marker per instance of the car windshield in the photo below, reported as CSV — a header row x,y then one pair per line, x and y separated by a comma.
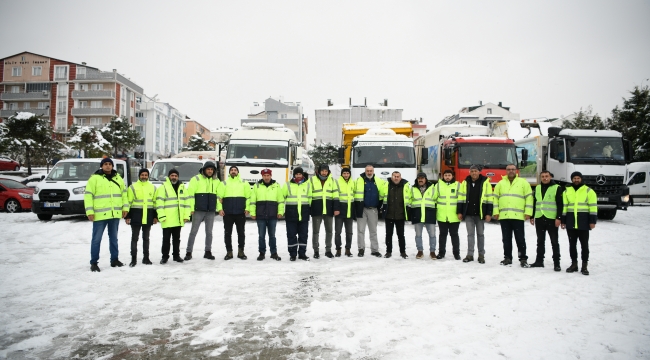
x,y
11,184
262,151
382,156
185,169
596,150
77,171
494,156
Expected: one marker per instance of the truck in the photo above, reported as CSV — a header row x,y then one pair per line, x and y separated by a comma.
x,y
600,155
456,147
379,145
62,190
256,146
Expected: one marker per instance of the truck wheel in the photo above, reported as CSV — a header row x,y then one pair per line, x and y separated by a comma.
x,y
607,214
44,216
12,206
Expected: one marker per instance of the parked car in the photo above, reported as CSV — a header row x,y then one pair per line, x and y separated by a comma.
x,y
8,164
14,196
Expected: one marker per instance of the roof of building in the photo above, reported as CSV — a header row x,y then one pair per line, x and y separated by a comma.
x,y
49,57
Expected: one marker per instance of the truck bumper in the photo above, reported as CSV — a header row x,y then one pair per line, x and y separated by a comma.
x,y
65,208
620,201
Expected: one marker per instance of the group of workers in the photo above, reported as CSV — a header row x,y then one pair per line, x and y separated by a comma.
x,y
336,204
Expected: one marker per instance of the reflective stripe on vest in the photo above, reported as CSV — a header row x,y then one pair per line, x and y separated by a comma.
x,y
546,206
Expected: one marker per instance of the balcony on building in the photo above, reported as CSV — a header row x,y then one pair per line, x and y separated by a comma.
x,y
103,76
102,111
86,122
93,94
25,96
37,112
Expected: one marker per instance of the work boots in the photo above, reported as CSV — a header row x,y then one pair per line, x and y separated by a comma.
x,y
316,255
573,267
208,255
556,266
228,255
329,254
403,255
347,252
146,260
468,258
261,257
241,255
178,258
524,264
275,257
419,255
584,270
433,256
537,263
338,253
388,255
481,259
116,263
506,261
94,268
361,252
134,261
303,257
188,256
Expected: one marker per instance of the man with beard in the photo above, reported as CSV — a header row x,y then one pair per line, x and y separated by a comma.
x,y
368,197
475,206
324,206
423,214
346,214
448,199
202,193
172,205
548,204
234,194
297,200
267,206
397,201
141,215
579,216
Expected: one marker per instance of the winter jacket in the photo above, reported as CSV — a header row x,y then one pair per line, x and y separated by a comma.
x,y
423,205
363,185
141,195
202,192
513,200
172,205
403,198
267,201
580,208
105,196
485,194
235,195
297,199
325,197
448,200
346,197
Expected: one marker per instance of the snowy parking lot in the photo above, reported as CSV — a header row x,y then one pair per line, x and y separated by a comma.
x,y
53,307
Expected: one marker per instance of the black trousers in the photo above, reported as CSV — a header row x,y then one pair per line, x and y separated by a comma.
x,y
452,229
574,236
239,221
399,225
175,233
135,233
509,226
339,222
297,235
542,226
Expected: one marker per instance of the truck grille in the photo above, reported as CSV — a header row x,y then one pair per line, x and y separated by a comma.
x,y
53,195
613,184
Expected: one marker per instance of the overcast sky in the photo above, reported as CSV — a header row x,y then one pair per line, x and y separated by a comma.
x,y
213,59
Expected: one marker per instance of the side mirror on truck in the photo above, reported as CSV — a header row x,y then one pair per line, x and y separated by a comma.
x,y
424,156
524,158
629,152
447,153
341,155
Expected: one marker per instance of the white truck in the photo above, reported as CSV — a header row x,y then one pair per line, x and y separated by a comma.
x,y
256,146
188,164
638,174
600,155
385,150
62,191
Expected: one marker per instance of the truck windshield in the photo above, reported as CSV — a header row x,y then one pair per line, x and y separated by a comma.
x,y
494,156
258,152
596,150
384,156
77,171
185,170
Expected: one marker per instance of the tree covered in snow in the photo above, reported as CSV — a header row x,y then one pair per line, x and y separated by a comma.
x,y
633,121
326,153
585,120
121,135
89,140
27,136
197,143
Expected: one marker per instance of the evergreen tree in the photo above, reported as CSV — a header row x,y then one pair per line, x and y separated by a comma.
x,y
26,135
585,120
326,153
121,135
633,121
197,143
89,140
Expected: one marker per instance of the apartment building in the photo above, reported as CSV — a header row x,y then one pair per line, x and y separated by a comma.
x,y
161,125
67,93
481,114
193,127
278,111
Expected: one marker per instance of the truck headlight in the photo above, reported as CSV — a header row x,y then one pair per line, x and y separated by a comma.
x,y
25,196
625,198
79,190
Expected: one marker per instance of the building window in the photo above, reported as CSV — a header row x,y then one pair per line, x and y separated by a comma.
x,y
15,89
22,58
43,105
63,90
283,116
13,106
123,110
81,70
26,106
97,86
81,121
61,106
95,121
96,104
61,72
17,71
489,111
37,70
61,124
83,87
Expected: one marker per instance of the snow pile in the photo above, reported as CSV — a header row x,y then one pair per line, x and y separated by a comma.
x,y
54,307
23,115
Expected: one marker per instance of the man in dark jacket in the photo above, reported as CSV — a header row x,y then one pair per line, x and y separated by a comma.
x,y
267,206
547,215
202,191
234,195
475,205
369,192
398,200
141,215
579,216
297,199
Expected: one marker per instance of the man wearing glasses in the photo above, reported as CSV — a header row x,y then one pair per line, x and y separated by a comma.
x,y
513,205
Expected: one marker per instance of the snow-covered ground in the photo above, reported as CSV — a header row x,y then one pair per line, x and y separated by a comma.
x,y
53,307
